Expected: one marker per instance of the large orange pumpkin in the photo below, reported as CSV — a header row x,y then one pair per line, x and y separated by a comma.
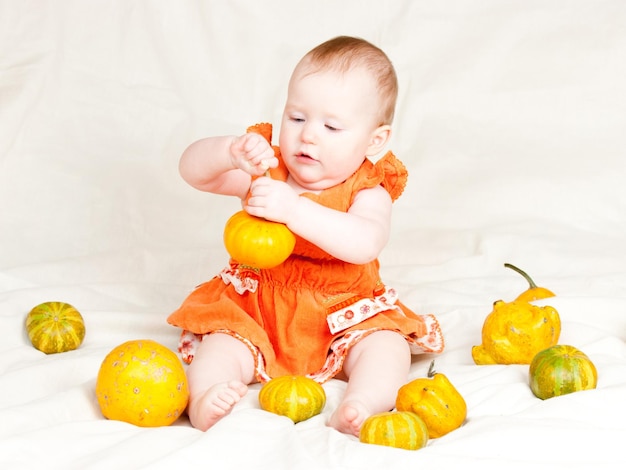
x,y
143,383
256,242
55,327
294,396
402,429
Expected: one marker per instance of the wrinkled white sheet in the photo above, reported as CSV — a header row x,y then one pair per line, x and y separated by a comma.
x,y
510,120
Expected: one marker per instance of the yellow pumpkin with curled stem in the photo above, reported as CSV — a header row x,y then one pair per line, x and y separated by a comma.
x,y
515,331
434,399
533,292
256,242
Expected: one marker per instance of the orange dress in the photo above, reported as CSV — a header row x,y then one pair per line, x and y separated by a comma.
x,y
303,316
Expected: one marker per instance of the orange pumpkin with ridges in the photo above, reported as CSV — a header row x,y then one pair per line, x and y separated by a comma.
x,y
256,242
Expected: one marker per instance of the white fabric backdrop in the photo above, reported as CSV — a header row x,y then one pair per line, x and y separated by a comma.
x,y
510,120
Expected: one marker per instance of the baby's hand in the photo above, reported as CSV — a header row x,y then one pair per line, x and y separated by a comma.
x,y
271,199
252,154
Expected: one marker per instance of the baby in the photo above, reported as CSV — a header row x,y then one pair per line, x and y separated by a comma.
x,y
324,312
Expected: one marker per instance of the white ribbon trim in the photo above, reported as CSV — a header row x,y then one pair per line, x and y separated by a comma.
x,y
361,310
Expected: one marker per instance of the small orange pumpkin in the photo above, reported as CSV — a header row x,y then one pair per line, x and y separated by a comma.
x,y
294,396
402,429
256,242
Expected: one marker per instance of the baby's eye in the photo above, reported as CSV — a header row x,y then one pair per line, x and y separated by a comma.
x,y
297,119
331,128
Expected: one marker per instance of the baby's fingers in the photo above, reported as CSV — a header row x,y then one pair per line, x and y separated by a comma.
x,y
254,145
254,153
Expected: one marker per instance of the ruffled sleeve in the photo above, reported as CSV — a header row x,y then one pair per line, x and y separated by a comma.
x,y
392,174
389,172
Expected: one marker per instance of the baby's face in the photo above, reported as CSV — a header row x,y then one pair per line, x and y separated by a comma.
x,y
327,125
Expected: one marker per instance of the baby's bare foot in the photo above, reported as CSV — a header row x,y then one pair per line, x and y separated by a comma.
x,y
348,417
215,403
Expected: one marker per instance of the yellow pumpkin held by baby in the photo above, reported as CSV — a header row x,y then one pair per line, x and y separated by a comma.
x,y
514,332
256,242
253,241
434,399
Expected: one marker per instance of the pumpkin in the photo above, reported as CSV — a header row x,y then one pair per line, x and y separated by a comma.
x,y
55,327
434,399
515,331
256,242
294,396
143,383
402,429
559,370
533,292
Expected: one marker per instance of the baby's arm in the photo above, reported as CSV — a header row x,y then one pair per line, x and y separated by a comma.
x,y
226,164
357,236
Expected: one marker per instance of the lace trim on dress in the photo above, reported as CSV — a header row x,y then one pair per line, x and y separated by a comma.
x,y
361,310
240,279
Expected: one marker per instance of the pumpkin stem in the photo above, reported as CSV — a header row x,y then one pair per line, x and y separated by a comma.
x,y
431,370
531,283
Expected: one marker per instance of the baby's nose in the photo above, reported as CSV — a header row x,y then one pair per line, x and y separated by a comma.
x,y
308,134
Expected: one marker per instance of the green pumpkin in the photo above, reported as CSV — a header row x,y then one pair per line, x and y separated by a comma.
x,y
401,429
55,327
294,396
559,370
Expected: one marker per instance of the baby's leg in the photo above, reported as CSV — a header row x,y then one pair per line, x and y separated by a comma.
x,y
376,367
218,377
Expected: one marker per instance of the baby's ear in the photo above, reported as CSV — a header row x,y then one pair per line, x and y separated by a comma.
x,y
378,139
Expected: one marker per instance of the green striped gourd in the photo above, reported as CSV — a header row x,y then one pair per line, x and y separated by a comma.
x,y
559,370
55,327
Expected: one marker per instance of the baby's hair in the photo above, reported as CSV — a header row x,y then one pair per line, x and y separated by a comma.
x,y
344,53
